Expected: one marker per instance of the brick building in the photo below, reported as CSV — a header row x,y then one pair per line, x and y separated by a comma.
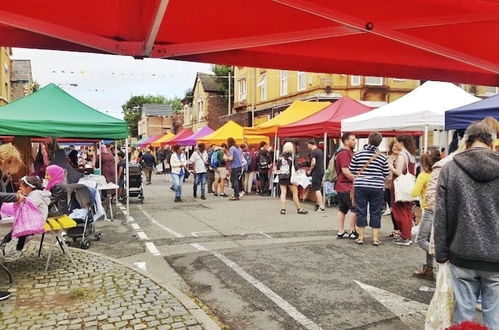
x,y
156,119
21,79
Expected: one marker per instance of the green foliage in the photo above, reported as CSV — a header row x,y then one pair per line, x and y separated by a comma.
x,y
132,109
188,96
222,73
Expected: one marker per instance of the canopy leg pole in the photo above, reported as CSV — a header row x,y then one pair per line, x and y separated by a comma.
x,y
325,166
115,171
127,180
100,157
425,139
276,157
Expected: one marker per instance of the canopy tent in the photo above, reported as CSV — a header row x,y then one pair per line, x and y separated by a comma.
x,y
148,141
422,108
183,134
234,130
295,112
462,117
328,120
191,140
164,138
419,39
136,143
51,112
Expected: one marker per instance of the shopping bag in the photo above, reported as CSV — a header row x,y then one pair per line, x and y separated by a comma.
x,y
441,307
403,186
28,219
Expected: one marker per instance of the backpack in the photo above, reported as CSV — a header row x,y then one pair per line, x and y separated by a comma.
x,y
331,175
214,159
263,163
249,161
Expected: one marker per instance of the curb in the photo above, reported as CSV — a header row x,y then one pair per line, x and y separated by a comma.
x,y
198,313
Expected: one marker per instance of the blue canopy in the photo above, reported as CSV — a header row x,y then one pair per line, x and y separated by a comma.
x,y
462,117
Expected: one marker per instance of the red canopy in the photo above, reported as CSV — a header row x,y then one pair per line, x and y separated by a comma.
x,y
452,40
328,120
180,136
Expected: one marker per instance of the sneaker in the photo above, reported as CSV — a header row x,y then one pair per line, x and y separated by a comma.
x,y
224,195
172,188
401,241
353,235
4,295
241,194
387,212
316,207
321,210
195,195
215,194
177,199
14,255
343,235
203,197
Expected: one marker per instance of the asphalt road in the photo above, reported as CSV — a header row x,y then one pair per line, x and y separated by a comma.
x,y
257,269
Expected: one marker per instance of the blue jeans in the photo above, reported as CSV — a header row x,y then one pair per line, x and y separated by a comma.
x,y
375,198
467,285
423,239
178,180
200,179
235,175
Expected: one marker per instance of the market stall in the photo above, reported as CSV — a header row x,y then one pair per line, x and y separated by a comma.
x,y
234,130
462,117
191,140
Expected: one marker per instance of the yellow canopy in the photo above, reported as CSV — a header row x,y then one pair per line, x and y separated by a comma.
x,y
298,110
164,138
231,129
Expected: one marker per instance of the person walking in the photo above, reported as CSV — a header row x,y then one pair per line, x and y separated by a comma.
x,y
286,165
108,164
178,164
393,153
200,160
423,239
344,186
405,163
467,225
263,162
235,155
149,163
317,172
210,173
161,160
249,172
370,168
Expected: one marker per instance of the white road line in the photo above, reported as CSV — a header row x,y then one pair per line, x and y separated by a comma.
x,y
283,304
194,233
171,231
142,235
267,235
135,226
152,248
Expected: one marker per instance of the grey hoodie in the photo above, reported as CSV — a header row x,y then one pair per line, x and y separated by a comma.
x,y
467,211
41,198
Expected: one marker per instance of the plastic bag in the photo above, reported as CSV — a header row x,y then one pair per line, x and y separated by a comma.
x,y
441,307
28,219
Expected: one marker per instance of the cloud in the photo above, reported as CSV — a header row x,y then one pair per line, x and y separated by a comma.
x,y
105,82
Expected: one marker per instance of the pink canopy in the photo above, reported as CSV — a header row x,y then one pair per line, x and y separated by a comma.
x,y
182,135
191,140
149,141
328,120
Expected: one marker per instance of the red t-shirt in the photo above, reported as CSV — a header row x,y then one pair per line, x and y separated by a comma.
x,y
343,159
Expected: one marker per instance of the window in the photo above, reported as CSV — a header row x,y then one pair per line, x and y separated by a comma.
x,y
284,82
302,80
355,80
262,85
243,89
490,90
201,110
398,80
374,81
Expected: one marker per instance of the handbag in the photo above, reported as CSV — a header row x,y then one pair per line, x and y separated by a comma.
x,y
352,192
403,186
28,219
441,307
294,179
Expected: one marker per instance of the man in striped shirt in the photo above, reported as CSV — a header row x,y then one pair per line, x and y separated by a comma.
x,y
370,168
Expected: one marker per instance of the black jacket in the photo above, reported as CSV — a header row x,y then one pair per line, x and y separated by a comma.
x,y
59,200
467,211
263,161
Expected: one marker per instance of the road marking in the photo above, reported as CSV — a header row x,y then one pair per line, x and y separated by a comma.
x,y
267,235
142,235
171,231
283,304
199,232
135,226
409,311
152,248
140,265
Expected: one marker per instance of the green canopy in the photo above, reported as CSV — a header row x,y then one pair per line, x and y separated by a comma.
x,y
51,112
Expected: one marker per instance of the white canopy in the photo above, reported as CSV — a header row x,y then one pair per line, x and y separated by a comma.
x,y
423,108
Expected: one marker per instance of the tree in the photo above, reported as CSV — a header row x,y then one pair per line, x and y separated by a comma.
x,y
222,76
35,86
132,109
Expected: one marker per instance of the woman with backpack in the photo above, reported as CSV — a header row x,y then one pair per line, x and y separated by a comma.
x,y
286,165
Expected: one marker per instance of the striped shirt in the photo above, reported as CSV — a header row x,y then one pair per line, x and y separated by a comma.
x,y
374,175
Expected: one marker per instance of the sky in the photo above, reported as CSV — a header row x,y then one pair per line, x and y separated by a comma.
x,y
105,82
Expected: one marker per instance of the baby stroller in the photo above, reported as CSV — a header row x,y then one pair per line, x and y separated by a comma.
x,y
135,185
82,209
